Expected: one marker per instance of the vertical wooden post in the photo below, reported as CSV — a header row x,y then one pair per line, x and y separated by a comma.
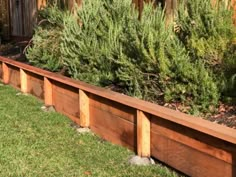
x,y
84,109
24,81
71,5
233,4
139,5
6,73
143,134
79,3
48,99
170,6
41,4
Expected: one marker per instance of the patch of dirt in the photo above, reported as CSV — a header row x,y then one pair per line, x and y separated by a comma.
x,y
14,50
226,115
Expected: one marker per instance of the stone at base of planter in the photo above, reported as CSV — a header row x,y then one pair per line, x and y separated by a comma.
x,y
20,93
48,108
137,160
82,130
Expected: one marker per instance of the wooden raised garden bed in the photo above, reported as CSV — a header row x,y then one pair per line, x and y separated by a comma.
x,y
194,146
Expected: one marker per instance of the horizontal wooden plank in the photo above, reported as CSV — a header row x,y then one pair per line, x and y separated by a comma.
x,y
204,143
188,159
72,118
35,85
113,128
114,108
14,77
215,130
66,99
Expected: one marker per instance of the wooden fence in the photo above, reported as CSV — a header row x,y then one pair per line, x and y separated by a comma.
x,y
4,19
189,144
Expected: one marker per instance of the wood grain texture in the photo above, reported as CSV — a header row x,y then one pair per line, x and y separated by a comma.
x,y
143,134
84,109
24,81
203,142
191,152
113,128
36,85
114,108
187,159
48,92
215,130
14,77
66,99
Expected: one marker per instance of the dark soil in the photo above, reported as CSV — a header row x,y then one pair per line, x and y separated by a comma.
x,y
14,50
226,115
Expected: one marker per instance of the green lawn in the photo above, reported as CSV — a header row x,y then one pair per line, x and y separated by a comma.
x,y
37,143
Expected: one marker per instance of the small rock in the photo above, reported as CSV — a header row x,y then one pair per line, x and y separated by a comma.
x,y
20,93
137,160
48,108
82,130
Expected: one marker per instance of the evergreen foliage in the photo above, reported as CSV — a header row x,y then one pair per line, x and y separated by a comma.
x,y
106,45
207,31
158,66
46,51
90,48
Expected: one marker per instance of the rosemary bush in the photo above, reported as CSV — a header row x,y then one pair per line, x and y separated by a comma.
x,y
105,44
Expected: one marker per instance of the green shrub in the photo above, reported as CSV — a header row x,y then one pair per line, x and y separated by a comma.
x,y
143,59
207,32
90,49
156,65
106,45
46,52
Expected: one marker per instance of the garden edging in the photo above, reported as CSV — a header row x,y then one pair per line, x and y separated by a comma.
x,y
191,145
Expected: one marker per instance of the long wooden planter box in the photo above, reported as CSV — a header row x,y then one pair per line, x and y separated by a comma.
x,y
194,146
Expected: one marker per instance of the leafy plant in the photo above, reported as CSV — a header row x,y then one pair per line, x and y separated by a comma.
x,y
45,51
105,44
157,66
207,31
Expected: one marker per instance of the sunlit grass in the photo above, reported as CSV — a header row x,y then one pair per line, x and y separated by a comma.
x,y
38,143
